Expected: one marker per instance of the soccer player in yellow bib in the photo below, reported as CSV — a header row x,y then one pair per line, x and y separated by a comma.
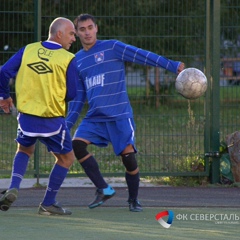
x,y
46,79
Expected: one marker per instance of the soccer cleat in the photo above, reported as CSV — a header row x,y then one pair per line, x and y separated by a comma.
x,y
55,209
134,205
101,196
8,198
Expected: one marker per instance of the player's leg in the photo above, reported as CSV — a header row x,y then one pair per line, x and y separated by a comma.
x,y
61,147
89,163
132,178
123,145
24,151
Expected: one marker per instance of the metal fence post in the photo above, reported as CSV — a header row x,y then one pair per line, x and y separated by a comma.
x,y
215,89
37,37
37,20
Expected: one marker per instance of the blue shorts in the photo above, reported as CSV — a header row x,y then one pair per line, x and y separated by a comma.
x,y
60,143
119,133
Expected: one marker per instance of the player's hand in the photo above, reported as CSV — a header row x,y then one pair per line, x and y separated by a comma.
x,y
6,104
181,67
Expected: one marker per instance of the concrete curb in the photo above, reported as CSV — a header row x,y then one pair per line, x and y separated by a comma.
x,y
74,182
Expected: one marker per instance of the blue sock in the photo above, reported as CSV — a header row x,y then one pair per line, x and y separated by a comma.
x,y
19,168
56,179
91,168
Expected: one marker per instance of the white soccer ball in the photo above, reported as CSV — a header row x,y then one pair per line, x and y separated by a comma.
x,y
191,83
6,47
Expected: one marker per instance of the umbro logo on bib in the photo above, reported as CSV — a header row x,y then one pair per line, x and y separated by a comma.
x,y
40,68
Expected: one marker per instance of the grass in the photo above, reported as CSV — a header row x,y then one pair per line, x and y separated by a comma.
x,y
169,138
117,224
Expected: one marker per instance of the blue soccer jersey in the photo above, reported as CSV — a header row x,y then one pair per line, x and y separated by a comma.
x,y
102,80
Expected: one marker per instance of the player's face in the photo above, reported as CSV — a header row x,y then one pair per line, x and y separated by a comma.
x,y
68,36
87,33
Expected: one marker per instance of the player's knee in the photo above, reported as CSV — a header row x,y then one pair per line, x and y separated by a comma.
x,y
27,150
80,149
129,161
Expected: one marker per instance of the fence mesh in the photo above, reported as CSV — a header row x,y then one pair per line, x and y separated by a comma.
x,y
170,129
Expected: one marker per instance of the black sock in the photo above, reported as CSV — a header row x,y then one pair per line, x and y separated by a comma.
x,y
91,168
133,185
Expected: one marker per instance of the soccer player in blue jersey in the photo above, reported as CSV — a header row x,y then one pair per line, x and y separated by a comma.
x,y
46,78
110,117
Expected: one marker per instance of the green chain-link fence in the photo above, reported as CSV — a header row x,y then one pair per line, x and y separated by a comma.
x,y
173,134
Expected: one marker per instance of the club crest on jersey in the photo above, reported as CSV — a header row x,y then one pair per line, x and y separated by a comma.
x,y
99,57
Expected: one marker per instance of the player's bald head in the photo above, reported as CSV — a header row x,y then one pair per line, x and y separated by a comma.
x,y
58,24
62,31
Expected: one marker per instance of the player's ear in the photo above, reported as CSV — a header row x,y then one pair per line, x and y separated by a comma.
x,y
96,28
59,34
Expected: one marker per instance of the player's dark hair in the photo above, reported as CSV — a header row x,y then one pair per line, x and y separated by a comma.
x,y
83,17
